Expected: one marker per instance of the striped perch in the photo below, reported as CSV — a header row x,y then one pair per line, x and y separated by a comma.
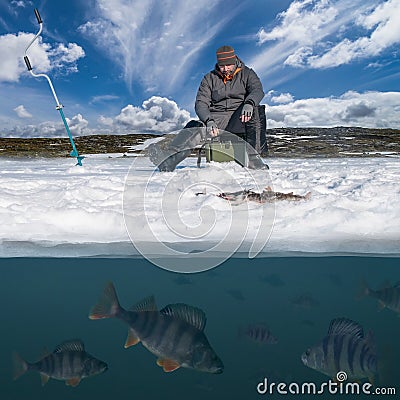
x,y
345,348
258,333
388,296
174,334
69,362
266,196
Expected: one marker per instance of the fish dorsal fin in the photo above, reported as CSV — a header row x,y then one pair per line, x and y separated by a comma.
x,y
192,315
345,326
70,345
147,304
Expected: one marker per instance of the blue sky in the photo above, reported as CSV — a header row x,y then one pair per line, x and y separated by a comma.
x,y
126,66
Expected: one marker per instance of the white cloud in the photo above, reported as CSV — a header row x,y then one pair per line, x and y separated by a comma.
x,y
12,49
22,112
161,115
385,21
325,34
107,121
370,109
299,56
45,129
66,57
4,24
155,45
20,3
281,98
342,53
384,13
43,56
297,32
156,114
78,126
103,98
301,22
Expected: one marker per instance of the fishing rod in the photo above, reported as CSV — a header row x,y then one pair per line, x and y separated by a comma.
x,y
74,152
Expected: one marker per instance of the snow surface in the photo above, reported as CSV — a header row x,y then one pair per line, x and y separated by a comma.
x,y
49,207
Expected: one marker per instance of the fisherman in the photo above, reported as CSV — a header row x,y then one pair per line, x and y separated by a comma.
x,y
228,99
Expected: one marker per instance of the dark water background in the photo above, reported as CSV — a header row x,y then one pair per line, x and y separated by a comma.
x,y
46,301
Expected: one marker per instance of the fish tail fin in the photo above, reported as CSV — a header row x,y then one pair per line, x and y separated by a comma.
x,y
20,366
307,196
108,304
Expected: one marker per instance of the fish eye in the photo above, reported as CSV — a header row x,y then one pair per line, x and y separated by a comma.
x,y
308,352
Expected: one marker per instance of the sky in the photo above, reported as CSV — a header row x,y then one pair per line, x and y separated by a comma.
x,y
127,66
49,207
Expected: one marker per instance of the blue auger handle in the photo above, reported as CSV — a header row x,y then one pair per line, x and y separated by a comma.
x,y
74,152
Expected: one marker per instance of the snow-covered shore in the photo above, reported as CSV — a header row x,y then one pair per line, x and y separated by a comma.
x,y
49,207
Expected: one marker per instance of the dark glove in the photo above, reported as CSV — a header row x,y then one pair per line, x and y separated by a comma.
x,y
247,112
212,128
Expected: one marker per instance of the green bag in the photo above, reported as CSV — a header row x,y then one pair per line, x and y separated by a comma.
x,y
227,151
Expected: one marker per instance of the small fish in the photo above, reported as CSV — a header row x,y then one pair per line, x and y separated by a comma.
x,y
304,301
266,196
69,362
258,333
344,348
388,297
174,334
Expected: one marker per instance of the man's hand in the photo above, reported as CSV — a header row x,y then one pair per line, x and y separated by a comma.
x,y
212,128
247,113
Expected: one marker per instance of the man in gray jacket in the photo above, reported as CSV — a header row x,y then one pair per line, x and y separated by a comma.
x,y
228,99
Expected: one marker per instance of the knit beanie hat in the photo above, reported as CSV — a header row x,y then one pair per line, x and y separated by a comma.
x,y
226,55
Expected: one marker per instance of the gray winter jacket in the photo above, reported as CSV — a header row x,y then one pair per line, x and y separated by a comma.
x,y
217,100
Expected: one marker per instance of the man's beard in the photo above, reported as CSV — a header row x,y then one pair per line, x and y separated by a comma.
x,y
227,74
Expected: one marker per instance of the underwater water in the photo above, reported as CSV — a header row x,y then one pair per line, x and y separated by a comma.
x,y
47,300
